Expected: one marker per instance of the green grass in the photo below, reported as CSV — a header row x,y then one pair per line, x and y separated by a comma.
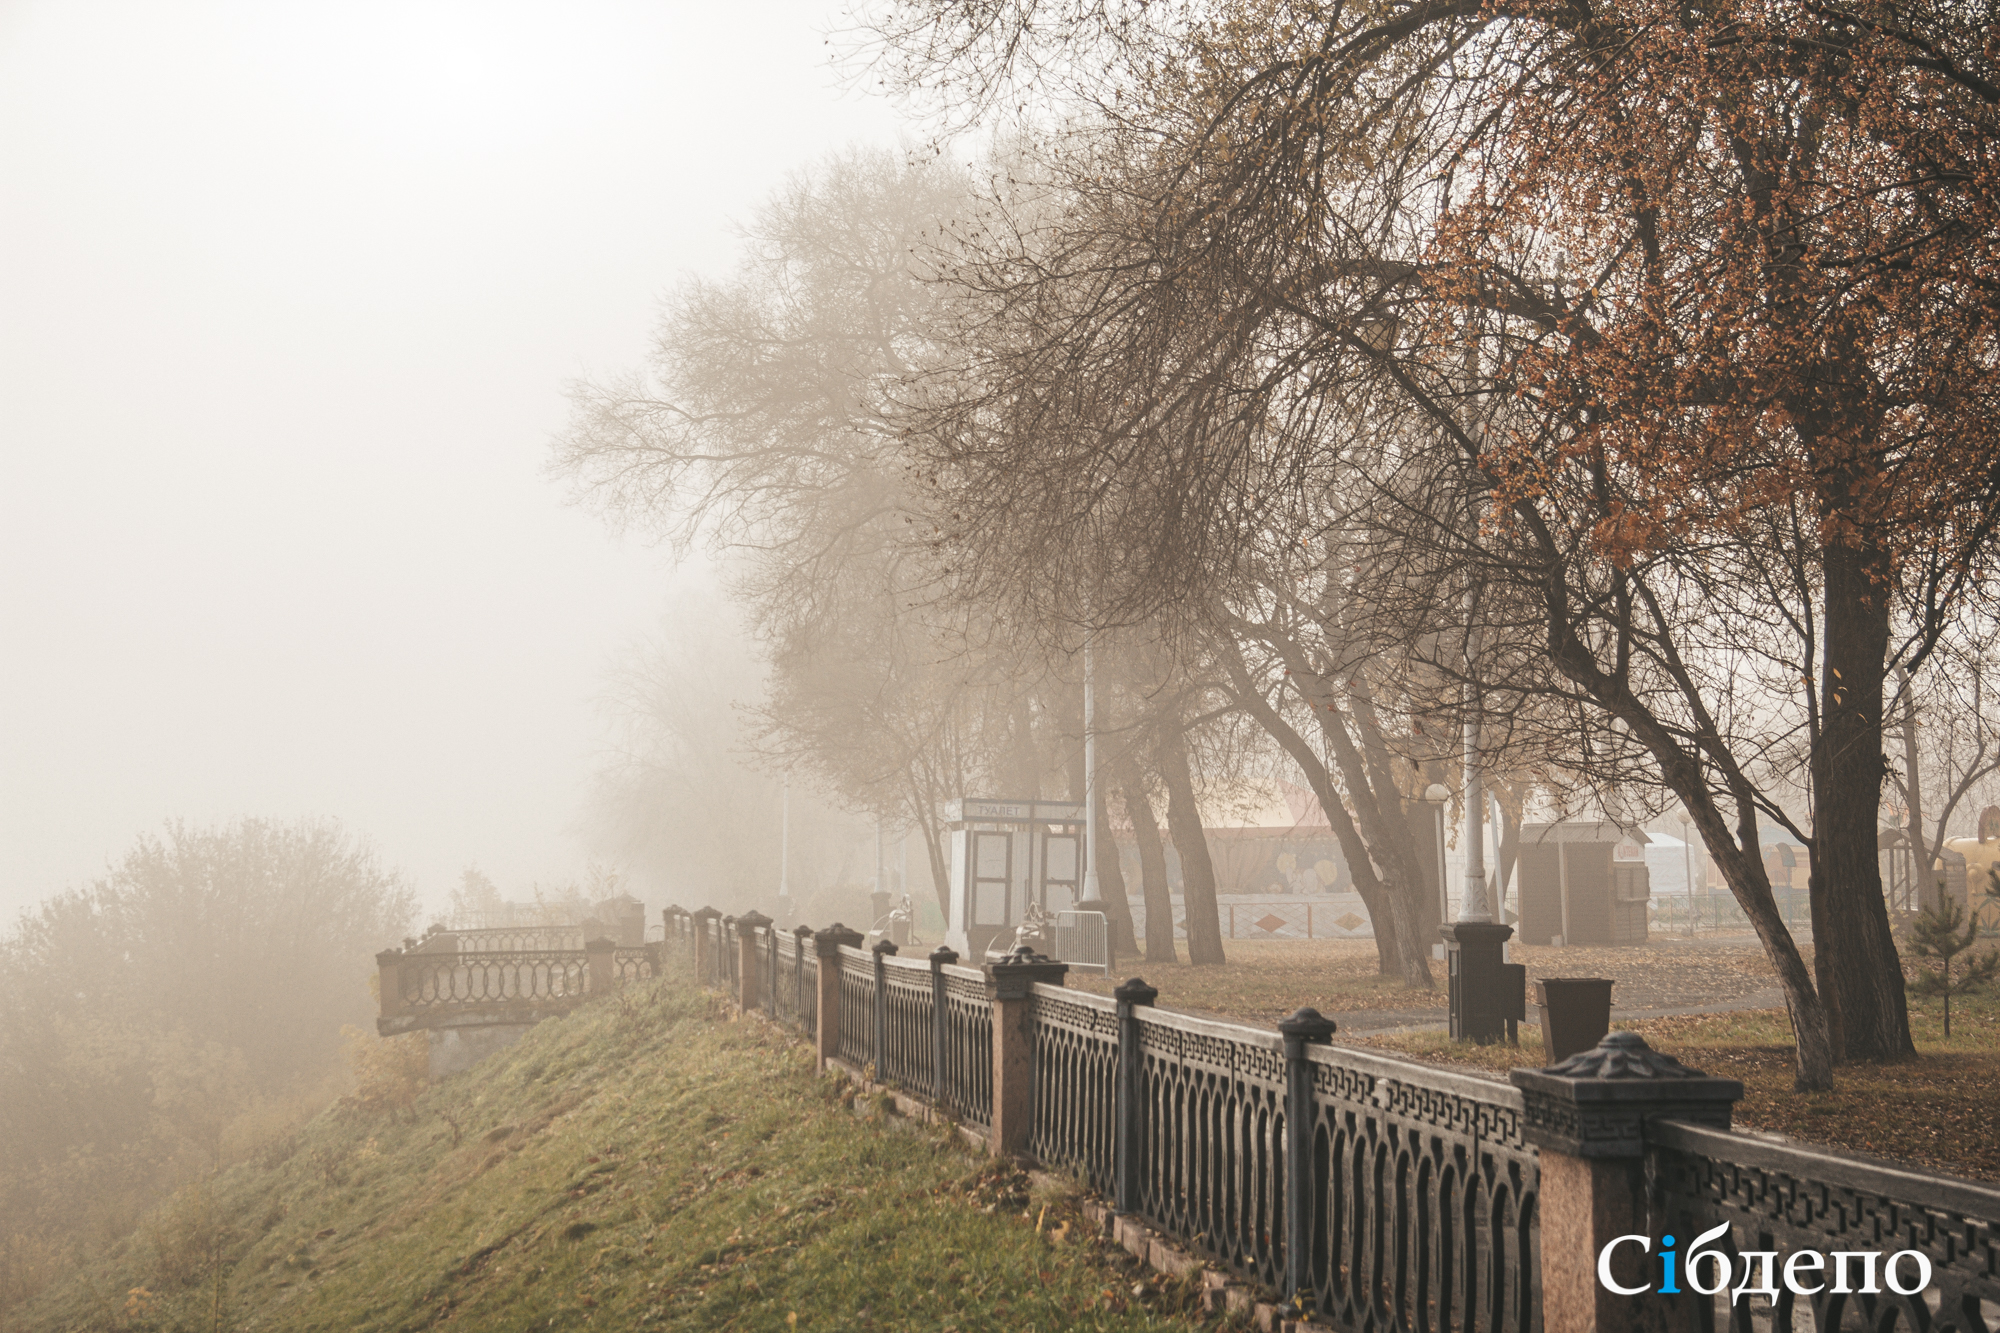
x,y
646,1162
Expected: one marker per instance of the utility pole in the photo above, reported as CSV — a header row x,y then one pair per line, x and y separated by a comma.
x,y
785,849
1090,893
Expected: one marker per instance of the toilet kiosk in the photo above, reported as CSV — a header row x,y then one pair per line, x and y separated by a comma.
x,y
1006,855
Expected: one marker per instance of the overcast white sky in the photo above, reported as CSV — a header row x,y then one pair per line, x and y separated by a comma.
x,y
288,296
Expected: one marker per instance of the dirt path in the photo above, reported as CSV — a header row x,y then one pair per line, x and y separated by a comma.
x,y
1265,980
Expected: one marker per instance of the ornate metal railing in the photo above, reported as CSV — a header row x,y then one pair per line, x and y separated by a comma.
x,y
1076,1067
443,979
808,990
966,1082
1423,1197
1786,1199
784,977
857,998
1386,1196
1212,1166
908,1025
635,963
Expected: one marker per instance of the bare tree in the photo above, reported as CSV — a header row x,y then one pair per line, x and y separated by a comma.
x,y
1303,227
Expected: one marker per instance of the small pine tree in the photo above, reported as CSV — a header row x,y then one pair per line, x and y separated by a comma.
x,y
1943,933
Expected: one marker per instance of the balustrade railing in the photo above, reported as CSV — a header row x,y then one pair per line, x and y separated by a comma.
x,y
504,939
430,981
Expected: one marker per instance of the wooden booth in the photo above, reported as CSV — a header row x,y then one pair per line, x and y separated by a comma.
x,y
1005,857
1582,883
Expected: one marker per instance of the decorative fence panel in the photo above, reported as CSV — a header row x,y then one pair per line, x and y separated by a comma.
x,y
635,964
967,1091
784,977
1787,1199
1212,1162
857,1007
1076,1068
909,1026
1423,1198
436,980
808,991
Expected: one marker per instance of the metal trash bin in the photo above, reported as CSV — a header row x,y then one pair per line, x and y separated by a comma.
x,y
1576,1013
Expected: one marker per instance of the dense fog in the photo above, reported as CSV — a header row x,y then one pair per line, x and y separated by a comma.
x,y
481,475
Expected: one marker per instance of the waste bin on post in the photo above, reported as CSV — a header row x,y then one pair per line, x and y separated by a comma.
x,y
1576,1013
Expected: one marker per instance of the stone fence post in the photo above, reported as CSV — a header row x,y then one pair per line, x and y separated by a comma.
x,y
1303,1028
826,944
1010,987
878,1037
703,922
940,958
670,928
747,928
389,965
1128,1109
1587,1117
602,955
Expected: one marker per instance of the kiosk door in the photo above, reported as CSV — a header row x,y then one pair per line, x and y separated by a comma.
x,y
992,866
1062,862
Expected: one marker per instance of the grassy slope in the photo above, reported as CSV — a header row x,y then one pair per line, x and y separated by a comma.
x,y
644,1162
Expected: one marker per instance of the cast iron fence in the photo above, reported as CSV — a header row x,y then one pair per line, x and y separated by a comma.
x,y
1384,1195
1785,1199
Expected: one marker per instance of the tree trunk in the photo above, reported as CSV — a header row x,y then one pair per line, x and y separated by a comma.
x,y
1744,873
1024,760
1826,955
1925,889
1353,850
1152,867
1204,920
934,851
1111,882
1865,971
1393,857
1510,853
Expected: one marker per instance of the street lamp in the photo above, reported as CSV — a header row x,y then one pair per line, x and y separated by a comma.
x,y
1089,774
1488,994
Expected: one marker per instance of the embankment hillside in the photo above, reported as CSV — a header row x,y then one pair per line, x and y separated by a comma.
x,y
646,1162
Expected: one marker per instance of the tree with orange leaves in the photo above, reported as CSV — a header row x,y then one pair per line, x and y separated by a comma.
x,y
1691,305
